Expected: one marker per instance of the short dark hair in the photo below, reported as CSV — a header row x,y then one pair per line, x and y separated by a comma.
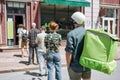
x,y
74,22
43,28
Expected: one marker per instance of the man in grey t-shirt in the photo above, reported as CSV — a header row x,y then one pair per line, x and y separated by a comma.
x,y
41,50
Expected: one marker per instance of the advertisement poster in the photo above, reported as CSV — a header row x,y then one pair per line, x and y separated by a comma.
x,y
10,28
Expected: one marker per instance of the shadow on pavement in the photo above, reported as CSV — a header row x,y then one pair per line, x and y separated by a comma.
x,y
36,79
24,62
17,55
32,73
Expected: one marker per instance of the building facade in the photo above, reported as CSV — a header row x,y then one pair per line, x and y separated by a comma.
x,y
92,14
110,16
104,14
15,12
2,21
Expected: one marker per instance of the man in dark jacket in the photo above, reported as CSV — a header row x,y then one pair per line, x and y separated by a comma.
x,y
32,44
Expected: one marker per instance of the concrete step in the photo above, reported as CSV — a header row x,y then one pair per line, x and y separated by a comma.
x,y
9,48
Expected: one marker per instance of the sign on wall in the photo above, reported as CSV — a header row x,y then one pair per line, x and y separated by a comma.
x,y
10,28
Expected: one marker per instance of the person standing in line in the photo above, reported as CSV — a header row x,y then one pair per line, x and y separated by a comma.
x,y
32,44
19,34
24,44
52,43
74,47
41,50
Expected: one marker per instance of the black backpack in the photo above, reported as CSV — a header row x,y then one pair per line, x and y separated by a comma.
x,y
24,36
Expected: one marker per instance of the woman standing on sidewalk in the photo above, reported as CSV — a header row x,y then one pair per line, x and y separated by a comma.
x,y
52,43
19,34
24,43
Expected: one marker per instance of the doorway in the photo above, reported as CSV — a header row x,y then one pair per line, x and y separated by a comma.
x,y
18,20
108,24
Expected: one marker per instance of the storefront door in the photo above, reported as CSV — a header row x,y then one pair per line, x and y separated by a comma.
x,y
16,12
18,20
12,26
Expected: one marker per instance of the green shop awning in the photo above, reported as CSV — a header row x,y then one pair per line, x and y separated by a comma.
x,y
69,2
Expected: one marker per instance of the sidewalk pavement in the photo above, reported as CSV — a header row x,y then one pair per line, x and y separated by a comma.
x,y
11,61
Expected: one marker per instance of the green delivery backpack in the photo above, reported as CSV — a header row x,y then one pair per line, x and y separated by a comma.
x,y
99,51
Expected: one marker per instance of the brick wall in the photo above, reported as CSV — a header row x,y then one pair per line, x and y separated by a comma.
x,y
33,14
3,26
28,11
109,1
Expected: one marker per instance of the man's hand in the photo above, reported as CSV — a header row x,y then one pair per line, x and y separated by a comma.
x,y
68,59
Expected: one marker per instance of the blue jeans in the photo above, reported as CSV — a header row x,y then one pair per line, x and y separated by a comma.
x,y
31,52
54,61
41,62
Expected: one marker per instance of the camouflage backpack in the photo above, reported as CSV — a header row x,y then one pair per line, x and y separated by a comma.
x,y
52,41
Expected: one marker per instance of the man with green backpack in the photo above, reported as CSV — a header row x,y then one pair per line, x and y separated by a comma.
x,y
74,48
89,49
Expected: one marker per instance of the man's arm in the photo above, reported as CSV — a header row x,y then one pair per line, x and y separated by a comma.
x,y
68,59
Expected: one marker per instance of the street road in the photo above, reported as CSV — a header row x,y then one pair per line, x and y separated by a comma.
x,y
29,75
33,75
101,76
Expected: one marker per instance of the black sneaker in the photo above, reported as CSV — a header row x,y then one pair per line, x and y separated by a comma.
x,y
45,74
28,63
41,75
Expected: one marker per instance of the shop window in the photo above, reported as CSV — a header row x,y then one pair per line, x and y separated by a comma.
x,y
9,4
16,4
22,5
113,13
110,13
16,7
60,14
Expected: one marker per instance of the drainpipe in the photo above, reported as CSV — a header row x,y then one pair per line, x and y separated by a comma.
x,y
31,14
119,21
91,13
0,30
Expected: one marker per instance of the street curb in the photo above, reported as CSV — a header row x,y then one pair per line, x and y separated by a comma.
x,y
22,69
17,70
